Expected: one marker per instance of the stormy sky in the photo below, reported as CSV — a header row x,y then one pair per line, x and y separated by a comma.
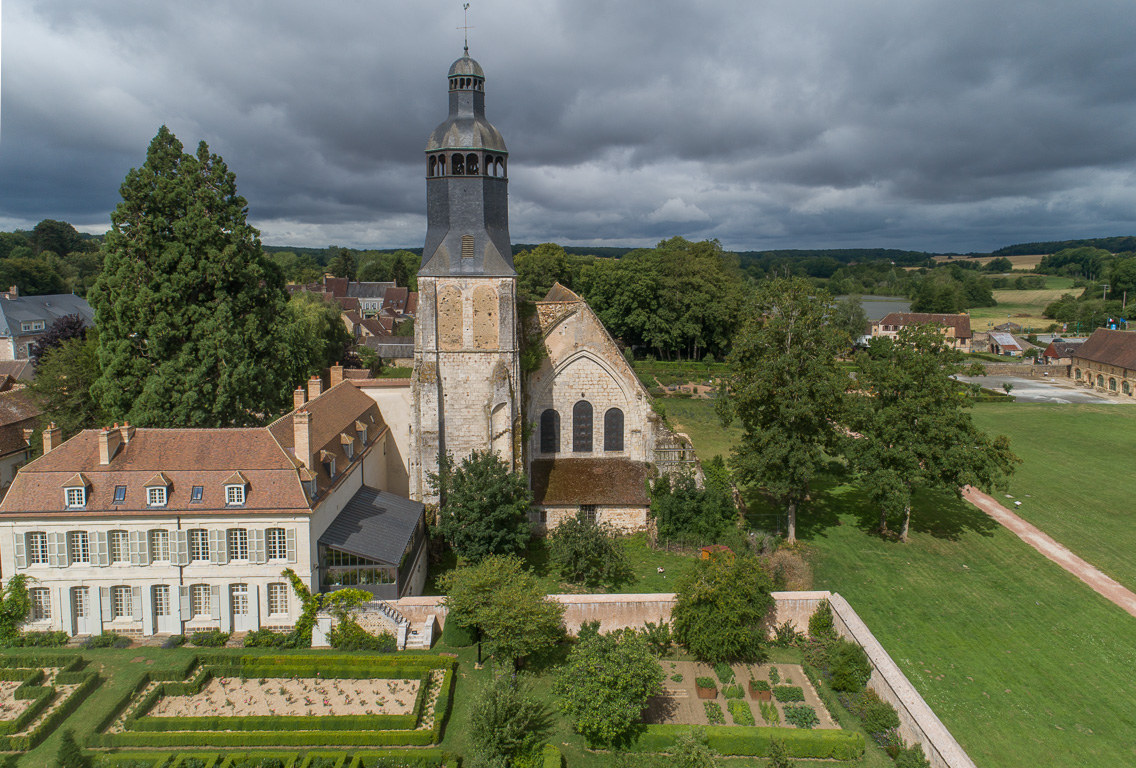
x,y
952,125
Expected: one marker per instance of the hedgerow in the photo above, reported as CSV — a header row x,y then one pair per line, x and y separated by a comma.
x,y
754,742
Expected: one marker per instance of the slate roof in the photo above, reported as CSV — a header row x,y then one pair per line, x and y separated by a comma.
x,y
389,347
961,323
375,524
1062,349
13,312
20,370
608,482
1110,348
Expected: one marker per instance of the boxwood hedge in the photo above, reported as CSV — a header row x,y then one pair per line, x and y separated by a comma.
x,y
742,741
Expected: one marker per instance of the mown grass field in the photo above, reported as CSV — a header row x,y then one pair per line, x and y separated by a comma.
x,y
1023,663
1024,261
1074,481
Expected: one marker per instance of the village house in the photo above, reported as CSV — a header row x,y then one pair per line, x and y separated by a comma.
x,y
155,531
956,328
1005,344
1106,362
23,319
19,417
1060,352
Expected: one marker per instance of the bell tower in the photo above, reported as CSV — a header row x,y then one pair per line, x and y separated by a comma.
x,y
466,364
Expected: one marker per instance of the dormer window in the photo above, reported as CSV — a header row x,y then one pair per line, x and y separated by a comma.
x,y
328,460
156,497
234,495
361,428
76,497
196,493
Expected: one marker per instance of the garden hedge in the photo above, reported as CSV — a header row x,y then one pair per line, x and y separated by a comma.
x,y
132,759
56,718
339,759
457,637
266,738
420,758
754,742
278,723
210,759
550,757
245,759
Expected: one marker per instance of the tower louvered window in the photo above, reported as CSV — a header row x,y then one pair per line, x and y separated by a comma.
x,y
467,246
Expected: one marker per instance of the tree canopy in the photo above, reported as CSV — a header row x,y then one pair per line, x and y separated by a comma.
x,y
911,429
786,389
62,386
720,608
187,305
588,552
484,506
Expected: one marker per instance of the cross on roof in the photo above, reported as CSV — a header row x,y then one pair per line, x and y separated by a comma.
x,y
466,26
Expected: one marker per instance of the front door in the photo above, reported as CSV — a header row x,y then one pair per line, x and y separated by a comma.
x,y
164,620
242,615
81,623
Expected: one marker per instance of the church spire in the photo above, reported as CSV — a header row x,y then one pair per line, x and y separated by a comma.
x,y
467,204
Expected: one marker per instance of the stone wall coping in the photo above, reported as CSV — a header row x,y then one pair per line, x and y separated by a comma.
x,y
950,751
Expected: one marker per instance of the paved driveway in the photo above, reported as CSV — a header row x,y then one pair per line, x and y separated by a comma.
x,y
1041,390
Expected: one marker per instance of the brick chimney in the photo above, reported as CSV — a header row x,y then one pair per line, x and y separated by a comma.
x,y
51,437
109,440
315,386
126,432
336,375
13,293
299,397
302,436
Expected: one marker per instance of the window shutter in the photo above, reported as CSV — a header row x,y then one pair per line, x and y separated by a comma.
x,y
101,552
104,598
290,543
21,551
218,546
256,544
179,547
215,601
56,550
143,547
132,539
136,600
254,605
186,608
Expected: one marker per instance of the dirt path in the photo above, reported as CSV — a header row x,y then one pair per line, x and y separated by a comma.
x,y
1058,553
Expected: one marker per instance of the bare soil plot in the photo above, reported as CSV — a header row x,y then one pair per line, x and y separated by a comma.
x,y
680,704
10,706
233,697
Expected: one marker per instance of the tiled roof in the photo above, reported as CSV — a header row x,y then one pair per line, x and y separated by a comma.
x,y
395,299
411,303
17,412
1061,349
374,524
13,312
20,370
610,482
961,323
1110,347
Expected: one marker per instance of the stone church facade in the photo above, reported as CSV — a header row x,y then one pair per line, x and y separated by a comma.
x,y
591,433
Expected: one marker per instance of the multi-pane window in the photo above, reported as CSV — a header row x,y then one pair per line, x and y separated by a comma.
x,y
238,544
582,427
199,601
79,544
162,600
277,599
79,602
41,603
277,544
589,513
37,548
120,603
198,546
119,547
156,497
76,497
240,597
234,494
159,545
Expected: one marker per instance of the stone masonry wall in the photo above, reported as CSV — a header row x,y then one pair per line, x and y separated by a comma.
x,y
625,519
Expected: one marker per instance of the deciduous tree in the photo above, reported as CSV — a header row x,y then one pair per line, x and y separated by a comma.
x,y
62,386
505,722
912,427
787,390
64,328
721,606
187,304
588,552
484,506
606,682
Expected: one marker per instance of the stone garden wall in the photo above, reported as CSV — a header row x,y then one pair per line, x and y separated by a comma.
x,y
918,723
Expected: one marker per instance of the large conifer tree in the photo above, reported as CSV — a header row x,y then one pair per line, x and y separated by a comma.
x,y
187,304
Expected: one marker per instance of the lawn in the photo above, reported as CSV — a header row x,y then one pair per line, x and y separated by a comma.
x,y
1023,663
1077,487
696,418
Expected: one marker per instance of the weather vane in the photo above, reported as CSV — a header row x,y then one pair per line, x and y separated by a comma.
x,y
467,27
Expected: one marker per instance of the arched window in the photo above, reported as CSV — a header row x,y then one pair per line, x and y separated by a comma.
x,y
501,167
613,430
582,427
550,431
441,165
490,166
1112,384
457,167
1126,388
1100,381
1077,374
471,164
432,167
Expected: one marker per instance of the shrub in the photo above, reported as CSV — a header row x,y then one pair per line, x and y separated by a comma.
x,y
41,640
658,636
174,641
849,666
106,640
265,638
733,691
714,714
705,682
724,672
911,757
731,740
821,625
880,718
213,638
785,693
740,713
70,755
505,721
588,552
347,635
457,636
676,678
801,715
785,634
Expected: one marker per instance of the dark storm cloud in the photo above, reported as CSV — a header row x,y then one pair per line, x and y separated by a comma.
x,y
937,125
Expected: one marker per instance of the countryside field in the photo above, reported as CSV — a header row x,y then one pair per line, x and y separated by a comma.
x,y
1022,307
1024,664
1023,261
